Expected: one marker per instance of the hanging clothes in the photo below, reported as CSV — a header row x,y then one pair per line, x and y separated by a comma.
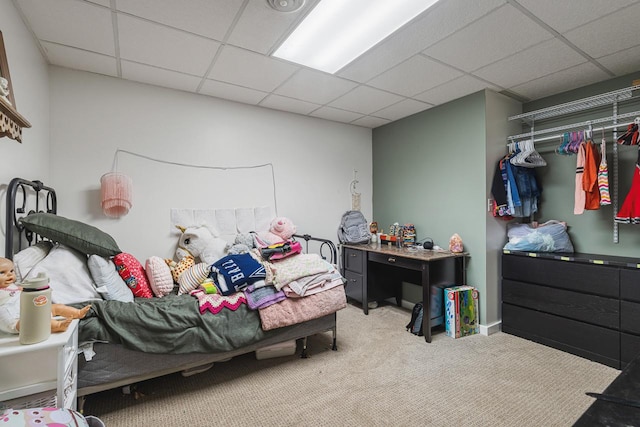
x,y
603,175
590,176
629,213
579,200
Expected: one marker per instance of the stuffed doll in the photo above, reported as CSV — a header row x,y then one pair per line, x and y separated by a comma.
x,y
10,304
203,243
281,229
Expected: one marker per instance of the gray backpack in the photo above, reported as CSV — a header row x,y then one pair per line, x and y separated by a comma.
x,y
353,228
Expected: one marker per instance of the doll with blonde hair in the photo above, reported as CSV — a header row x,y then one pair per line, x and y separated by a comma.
x,y
10,304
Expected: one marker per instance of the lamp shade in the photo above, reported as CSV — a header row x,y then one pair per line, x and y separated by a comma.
x,y
116,189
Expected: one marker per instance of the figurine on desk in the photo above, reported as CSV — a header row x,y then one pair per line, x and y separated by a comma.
x,y
10,304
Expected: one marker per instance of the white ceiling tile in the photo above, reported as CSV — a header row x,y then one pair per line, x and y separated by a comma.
x,y
613,33
232,92
402,109
571,78
409,79
315,86
538,61
288,104
79,59
365,100
565,15
204,17
501,33
164,47
454,89
622,62
72,23
336,114
159,77
260,27
444,18
370,122
250,69
105,3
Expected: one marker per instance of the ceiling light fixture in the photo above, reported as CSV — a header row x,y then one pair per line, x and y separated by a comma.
x,y
286,5
338,31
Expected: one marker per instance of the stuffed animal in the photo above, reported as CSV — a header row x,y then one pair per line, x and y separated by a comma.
x,y
242,244
203,243
281,229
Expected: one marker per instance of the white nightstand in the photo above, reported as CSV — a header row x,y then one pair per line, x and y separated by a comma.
x,y
41,374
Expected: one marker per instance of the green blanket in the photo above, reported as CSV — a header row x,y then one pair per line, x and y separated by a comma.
x,y
172,324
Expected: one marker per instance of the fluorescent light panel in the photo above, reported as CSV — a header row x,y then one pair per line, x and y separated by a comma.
x,y
338,31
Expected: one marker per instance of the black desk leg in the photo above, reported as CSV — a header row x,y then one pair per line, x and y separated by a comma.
x,y
426,302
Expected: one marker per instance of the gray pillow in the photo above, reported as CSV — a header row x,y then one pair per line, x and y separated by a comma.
x,y
75,234
109,284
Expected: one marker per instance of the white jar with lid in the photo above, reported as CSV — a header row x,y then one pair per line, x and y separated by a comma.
x,y
35,310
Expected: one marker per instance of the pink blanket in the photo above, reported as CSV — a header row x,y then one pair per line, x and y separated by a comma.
x,y
296,310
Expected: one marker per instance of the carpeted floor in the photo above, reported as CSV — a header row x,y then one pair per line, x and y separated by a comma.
x,y
381,375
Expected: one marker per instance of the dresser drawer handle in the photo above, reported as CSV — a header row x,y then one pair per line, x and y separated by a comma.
x,y
354,255
353,280
391,259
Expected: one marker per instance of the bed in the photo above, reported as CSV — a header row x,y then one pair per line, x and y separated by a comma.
x,y
125,343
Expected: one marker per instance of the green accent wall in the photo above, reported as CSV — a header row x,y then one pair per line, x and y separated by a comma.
x,y
429,170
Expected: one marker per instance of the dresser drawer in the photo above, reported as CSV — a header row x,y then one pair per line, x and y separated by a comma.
x,y
593,309
390,259
582,339
354,260
593,279
630,317
630,285
629,348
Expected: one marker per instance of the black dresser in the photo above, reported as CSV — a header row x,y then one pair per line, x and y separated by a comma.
x,y
584,304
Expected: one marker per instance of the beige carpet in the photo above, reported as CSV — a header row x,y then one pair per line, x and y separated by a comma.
x,y
381,375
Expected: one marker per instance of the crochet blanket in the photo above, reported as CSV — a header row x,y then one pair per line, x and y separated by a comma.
x,y
216,302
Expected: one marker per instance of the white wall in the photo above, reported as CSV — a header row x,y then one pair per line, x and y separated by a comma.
x,y
30,81
93,115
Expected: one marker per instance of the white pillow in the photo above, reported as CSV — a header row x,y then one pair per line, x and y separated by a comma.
x,y
108,282
69,276
24,260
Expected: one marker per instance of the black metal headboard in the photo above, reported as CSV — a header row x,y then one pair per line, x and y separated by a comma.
x,y
325,248
34,193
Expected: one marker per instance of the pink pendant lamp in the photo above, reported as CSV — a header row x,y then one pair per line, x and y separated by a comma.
x,y
116,189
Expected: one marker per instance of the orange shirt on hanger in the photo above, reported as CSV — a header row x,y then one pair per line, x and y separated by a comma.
x,y
590,177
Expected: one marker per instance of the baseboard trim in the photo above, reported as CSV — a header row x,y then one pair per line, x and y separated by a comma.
x,y
490,329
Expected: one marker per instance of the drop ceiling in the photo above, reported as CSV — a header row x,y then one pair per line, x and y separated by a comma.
x,y
526,49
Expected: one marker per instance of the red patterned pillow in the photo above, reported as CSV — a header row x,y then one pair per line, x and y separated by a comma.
x,y
132,272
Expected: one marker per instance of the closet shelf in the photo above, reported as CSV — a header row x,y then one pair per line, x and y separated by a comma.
x,y
577,105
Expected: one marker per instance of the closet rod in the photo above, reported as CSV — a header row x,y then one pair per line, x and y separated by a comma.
x,y
586,123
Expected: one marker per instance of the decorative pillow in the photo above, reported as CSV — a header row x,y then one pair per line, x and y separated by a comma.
x,y
108,282
27,258
159,275
132,272
193,277
69,276
75,234
177,268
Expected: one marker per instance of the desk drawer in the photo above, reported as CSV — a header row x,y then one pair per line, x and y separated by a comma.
x,y
354,260
353,287
395,260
